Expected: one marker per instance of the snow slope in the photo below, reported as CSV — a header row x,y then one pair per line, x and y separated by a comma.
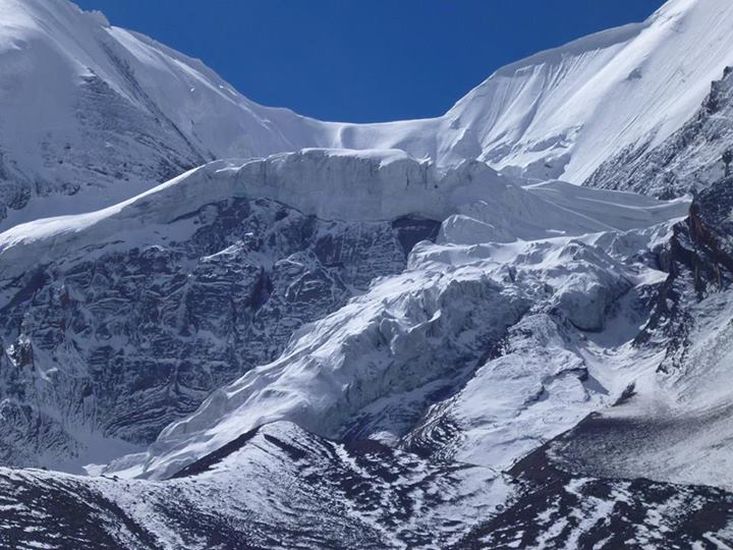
x,y
687,161
94,114
563,112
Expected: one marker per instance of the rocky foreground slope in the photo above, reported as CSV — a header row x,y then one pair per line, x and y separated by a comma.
x,y
281,487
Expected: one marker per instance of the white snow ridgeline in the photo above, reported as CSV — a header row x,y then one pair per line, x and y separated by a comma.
x,y
478,203
557,114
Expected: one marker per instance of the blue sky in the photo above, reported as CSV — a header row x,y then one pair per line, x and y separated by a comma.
x,y
365,60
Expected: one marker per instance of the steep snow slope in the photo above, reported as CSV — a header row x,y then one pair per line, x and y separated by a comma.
x,y
565,111
98,114
688,161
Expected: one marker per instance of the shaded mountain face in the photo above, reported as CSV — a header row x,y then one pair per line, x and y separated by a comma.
x,y
119,337
689,160
422,352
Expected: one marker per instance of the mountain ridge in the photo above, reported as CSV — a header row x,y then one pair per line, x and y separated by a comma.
x,y
126,113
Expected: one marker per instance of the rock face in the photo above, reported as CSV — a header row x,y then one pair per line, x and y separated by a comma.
x,y
699,260
688,161
122,342
710,227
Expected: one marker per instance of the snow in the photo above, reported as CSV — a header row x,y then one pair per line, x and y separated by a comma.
x,y
524,251
553,209
576,105
477,204
558,114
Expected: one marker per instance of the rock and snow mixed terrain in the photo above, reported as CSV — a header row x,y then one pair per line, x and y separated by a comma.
x,y
108,321
281,487
462,319
210,269
686,162
411,334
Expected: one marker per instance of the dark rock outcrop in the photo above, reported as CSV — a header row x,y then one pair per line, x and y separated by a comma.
x,y
123,340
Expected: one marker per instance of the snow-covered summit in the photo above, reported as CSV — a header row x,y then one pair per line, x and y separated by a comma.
x,y
562,112
97,114
94,114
